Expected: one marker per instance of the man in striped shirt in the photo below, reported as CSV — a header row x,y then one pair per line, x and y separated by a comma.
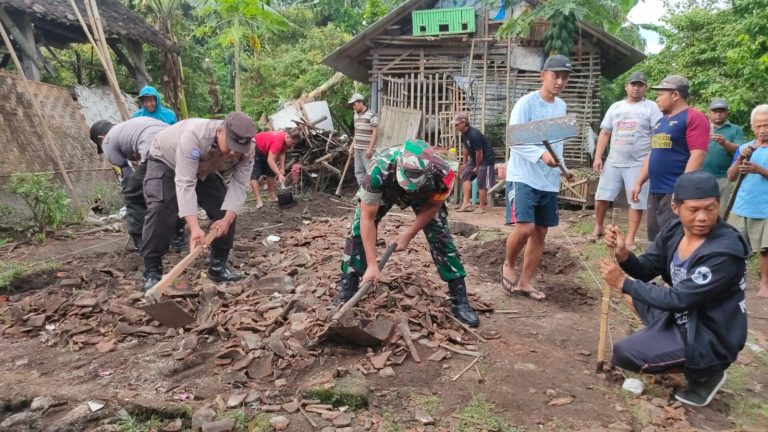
x,y
366,131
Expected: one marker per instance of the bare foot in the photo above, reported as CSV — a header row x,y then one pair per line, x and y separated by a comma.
x,y
259,205
763,289
529,291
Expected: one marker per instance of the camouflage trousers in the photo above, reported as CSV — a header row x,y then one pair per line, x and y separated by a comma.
x,y
441,245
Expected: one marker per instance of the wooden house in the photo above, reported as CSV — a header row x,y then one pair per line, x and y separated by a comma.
x,y
441,57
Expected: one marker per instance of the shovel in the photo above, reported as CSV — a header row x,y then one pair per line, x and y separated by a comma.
x,y
168,312
284,196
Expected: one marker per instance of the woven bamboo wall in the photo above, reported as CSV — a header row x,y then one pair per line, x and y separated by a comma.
x,y
22,142
436,82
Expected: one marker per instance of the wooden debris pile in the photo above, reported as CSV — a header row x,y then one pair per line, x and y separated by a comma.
x,y
277,319
320,156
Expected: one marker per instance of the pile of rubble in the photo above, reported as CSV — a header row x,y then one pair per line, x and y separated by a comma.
x,y
320,156
275,319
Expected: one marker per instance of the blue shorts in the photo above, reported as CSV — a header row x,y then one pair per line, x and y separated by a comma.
x,y
532,205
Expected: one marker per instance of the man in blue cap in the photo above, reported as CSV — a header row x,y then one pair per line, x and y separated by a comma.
x,y
698,322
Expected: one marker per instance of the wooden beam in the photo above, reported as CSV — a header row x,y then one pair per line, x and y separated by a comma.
x,y
31,64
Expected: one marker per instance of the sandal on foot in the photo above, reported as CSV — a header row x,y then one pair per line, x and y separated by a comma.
x,y
464,209
507,285
533,295
479,210
594,238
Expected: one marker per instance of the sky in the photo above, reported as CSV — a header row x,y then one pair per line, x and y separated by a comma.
x,y
649,12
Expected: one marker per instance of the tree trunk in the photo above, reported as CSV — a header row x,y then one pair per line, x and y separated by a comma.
x,y
237,77
173,87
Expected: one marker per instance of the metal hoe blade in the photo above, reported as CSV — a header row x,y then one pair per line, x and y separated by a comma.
x,y
169,314
536,132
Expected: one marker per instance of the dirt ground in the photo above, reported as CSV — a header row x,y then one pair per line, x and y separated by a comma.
x,y
538,375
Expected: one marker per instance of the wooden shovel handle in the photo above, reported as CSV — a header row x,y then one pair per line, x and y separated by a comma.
x,y
557,159
344,173
159,288
366,286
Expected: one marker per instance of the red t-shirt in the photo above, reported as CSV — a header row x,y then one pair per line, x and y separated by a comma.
x,y
270,142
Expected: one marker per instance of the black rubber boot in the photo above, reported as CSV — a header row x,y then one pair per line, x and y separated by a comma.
x,y
460,307
348,285
178,241
153,272
218,271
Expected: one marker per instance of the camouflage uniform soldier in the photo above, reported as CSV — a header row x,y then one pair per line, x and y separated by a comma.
x,y
409,176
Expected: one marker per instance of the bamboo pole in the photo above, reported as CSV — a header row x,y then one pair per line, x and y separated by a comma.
x,y
49,136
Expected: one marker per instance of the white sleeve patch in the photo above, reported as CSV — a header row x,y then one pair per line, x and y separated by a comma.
x,y
702,275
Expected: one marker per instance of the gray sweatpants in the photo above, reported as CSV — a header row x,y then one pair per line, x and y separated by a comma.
x,y
361,165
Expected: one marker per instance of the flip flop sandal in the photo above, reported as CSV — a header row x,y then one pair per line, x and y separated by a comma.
x,y
594,238
479,211
507,285
533,295
464,210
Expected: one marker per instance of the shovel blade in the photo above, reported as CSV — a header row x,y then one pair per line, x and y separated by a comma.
x,y
169,314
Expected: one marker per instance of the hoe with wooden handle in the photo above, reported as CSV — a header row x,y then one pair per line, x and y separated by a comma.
x,y
168,312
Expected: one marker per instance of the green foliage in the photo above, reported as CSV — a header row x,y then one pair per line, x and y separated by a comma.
x,y
610,15
481,410
337,399
724,53
49,204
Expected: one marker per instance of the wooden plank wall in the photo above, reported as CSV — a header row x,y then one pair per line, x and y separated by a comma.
x,y
422,78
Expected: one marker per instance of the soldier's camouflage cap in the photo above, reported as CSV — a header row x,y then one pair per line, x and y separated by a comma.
x,y
413,162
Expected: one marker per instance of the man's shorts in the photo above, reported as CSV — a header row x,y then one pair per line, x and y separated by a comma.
x,y
261,167
754,230
532,205
486,175
610,184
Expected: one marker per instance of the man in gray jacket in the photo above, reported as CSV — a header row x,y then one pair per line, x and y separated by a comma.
x,y
185,169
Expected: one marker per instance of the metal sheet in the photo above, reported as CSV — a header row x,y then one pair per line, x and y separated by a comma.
x,y
535,132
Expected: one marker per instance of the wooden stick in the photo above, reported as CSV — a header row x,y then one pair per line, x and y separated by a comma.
x,y
458,351
43,121
160,287
604,308
306,416
366,286
472,363
405,331
735,191
467,328
479,375
344,172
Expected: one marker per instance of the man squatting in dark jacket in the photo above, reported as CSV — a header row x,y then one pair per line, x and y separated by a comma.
x,y
699,322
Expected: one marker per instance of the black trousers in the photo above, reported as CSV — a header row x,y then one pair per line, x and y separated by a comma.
x,y
657,348
135,205
163,209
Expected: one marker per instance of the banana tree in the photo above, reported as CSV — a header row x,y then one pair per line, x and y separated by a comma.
x,y
235,24
164,12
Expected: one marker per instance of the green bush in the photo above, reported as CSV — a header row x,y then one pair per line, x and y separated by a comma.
x,y
48,202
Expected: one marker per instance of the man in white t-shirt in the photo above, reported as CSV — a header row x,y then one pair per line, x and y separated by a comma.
x,y
628,126
533,180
